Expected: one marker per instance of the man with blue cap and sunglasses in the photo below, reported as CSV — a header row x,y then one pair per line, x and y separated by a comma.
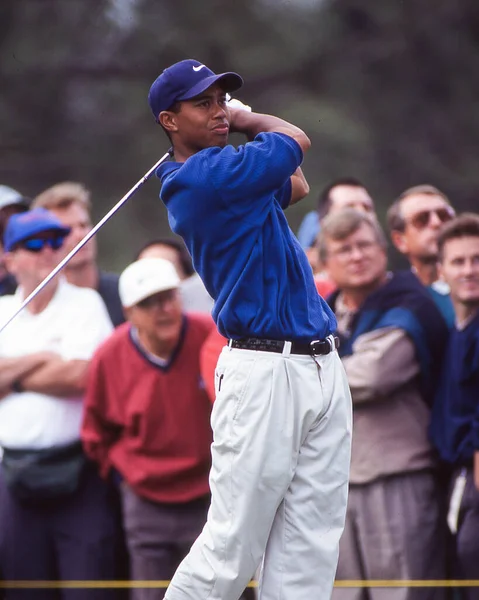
x,y
282,414
56,520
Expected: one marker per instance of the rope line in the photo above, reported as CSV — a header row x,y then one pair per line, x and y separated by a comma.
x,y
368,583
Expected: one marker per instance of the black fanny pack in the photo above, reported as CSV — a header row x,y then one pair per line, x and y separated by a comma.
x,y
42,475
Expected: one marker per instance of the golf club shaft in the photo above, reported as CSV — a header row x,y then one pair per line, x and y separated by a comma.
x,y
85,240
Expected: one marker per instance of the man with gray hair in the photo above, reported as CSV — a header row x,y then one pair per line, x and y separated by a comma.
x,y
392,336
414,221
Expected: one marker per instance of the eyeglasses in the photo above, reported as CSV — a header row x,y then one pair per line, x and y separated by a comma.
x,y
38,244
363,246
421,219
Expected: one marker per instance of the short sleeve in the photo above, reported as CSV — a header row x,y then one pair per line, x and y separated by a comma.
x,y
258,168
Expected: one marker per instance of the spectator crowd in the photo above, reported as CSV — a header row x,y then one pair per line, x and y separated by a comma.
x,y
107,384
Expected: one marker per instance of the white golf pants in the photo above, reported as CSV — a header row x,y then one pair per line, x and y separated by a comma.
x,y
279,479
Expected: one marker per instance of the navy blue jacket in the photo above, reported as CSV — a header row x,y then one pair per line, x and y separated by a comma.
x,y
455,416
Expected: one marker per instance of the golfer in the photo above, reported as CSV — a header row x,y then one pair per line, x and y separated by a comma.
x,y
282,415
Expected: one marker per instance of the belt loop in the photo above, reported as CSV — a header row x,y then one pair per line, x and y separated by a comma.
x,y
332,342
230,344
286,349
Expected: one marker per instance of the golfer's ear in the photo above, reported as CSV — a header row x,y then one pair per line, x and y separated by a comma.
x,y
167,119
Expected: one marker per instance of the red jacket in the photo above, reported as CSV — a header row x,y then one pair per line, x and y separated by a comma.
x,y
152,424
210,352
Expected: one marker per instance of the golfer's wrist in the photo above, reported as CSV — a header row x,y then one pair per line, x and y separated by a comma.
x,y
237,123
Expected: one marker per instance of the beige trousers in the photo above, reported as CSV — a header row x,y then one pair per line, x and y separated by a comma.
x,y
279,479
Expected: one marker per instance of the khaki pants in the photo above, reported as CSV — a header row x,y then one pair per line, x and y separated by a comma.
x,y
279,479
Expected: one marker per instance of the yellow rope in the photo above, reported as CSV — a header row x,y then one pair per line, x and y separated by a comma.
x,y
371,583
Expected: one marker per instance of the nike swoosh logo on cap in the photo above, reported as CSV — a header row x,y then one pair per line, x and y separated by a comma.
x,y
198,68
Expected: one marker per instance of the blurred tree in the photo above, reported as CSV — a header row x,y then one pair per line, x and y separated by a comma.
x,y
387,91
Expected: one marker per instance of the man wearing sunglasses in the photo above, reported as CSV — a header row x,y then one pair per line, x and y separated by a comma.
x,y
414,222
56,520
70,202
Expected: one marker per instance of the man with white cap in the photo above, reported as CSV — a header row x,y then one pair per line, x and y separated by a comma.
x,y
11,202
146,420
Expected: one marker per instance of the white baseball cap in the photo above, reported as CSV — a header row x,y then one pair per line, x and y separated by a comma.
x,y
9,197
146,277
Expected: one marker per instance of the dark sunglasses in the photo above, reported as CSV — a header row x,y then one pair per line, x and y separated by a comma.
x,y
38,244
421,219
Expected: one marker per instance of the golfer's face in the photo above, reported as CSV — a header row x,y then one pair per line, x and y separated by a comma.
x,y
203,122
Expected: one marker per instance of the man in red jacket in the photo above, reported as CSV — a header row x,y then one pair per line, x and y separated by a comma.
x,y
147,420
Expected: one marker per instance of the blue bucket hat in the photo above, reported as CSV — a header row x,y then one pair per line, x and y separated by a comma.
x,y
24,225
185,80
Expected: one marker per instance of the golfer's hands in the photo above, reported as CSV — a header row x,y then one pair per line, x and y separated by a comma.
x,y
235,103
476,469
237,111
244,120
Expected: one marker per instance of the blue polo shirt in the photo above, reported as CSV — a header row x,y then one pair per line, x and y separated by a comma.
x,y
227,205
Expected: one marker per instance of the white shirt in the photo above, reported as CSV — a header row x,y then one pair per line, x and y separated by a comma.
x,y
195,296
73,324
441,287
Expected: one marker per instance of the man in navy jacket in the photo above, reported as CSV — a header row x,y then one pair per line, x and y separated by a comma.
x,y
455,418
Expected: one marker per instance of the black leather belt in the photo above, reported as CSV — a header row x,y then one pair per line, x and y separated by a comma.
x,y
314,348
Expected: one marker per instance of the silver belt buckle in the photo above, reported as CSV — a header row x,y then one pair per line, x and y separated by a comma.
x,y
329,339
311,345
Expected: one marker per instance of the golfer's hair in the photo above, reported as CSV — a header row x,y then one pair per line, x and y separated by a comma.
x,y
465,225
62,196
338,226
183,254
395,219
324,199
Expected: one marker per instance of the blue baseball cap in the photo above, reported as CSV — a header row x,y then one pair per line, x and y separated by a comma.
x,y
185,80
24,225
